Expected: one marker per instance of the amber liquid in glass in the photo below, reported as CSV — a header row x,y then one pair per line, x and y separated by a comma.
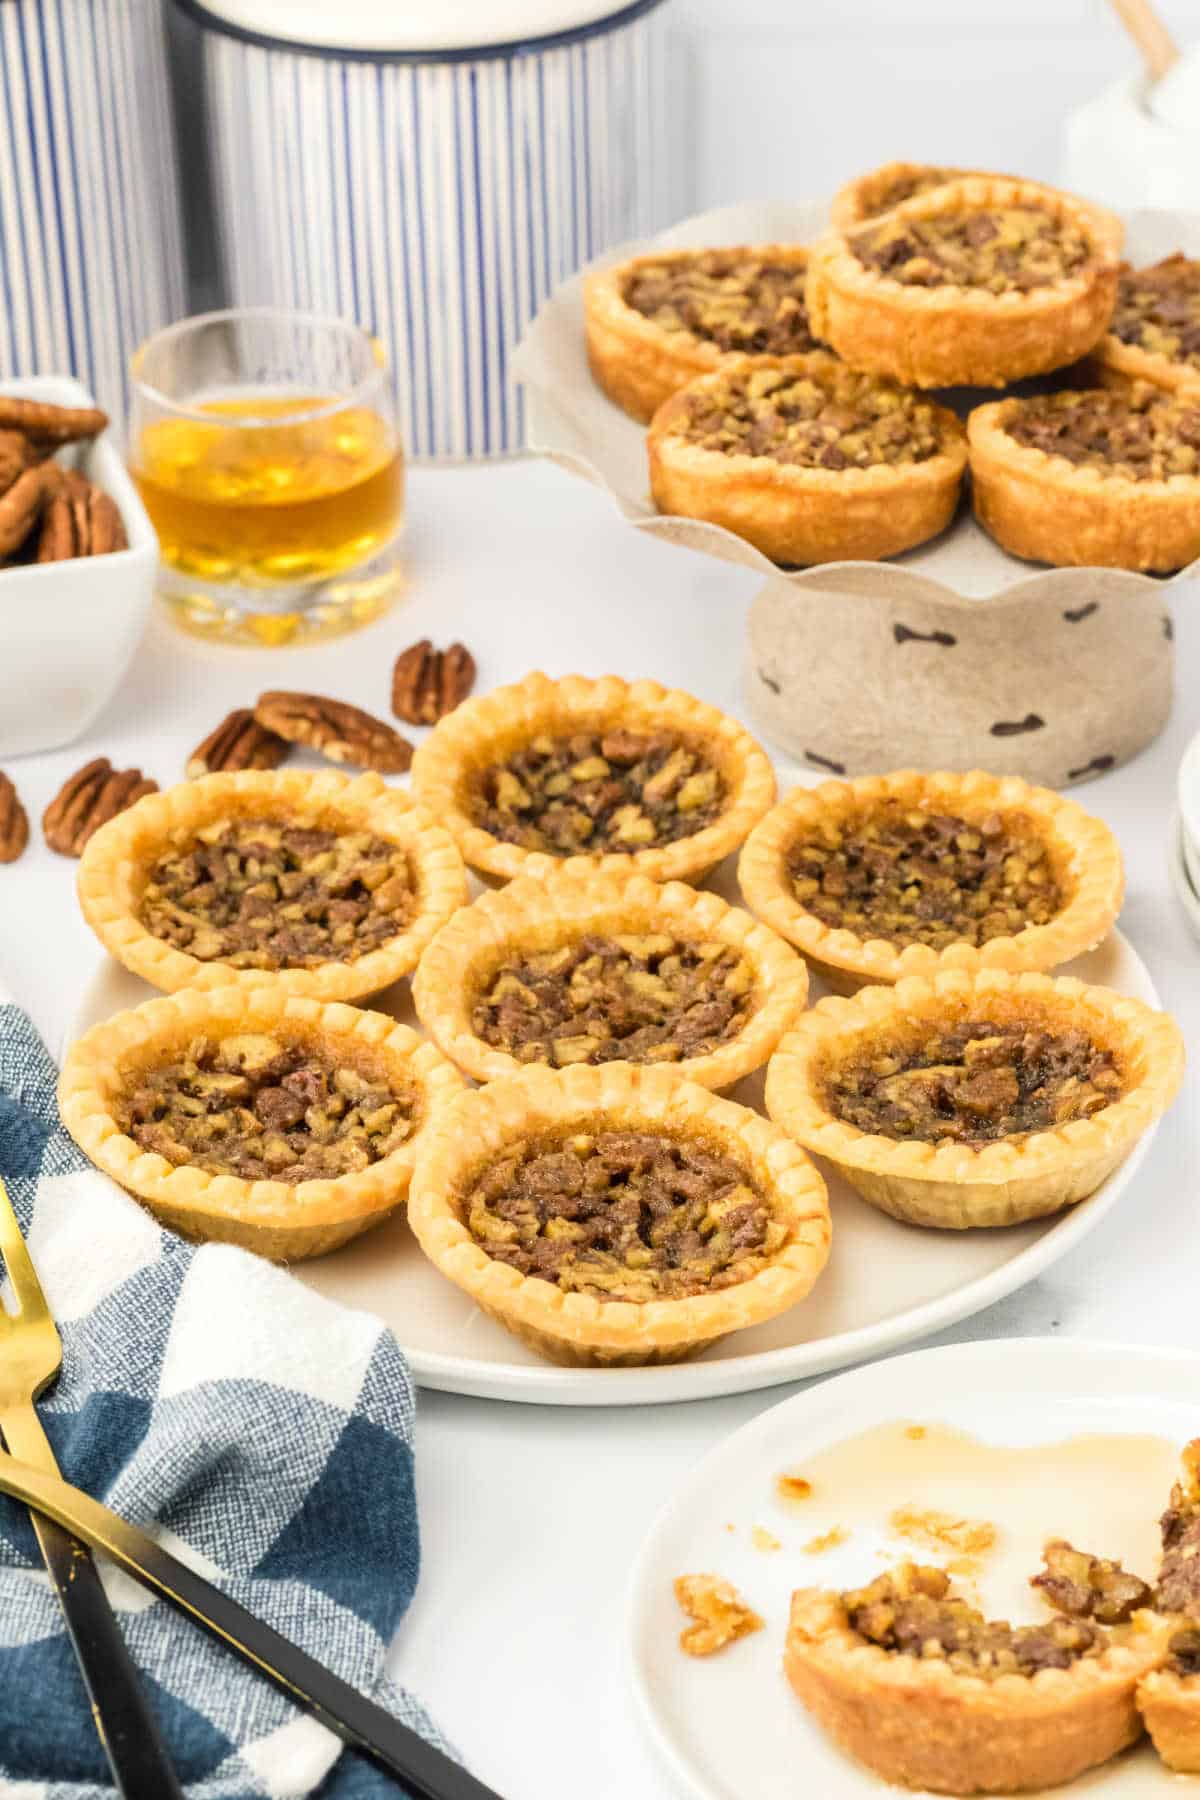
x,y
270,505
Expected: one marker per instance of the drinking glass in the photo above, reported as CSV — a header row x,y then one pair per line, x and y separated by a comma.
x,y
265,447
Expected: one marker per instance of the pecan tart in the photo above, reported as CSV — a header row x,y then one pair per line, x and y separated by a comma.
x,y
975,1099
908,873
608,776
256,1117
881,189
808,460
974,283
1155,330
618,1215
919,1686
1169,1698
596,969
315,882
656,322
1101,478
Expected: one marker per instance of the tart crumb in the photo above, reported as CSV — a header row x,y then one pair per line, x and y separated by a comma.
x,y
719,1613
828,1540
916,1431
793,1487
762,1539
943,1531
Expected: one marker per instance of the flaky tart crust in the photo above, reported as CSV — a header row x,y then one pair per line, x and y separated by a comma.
x,y
117,861
530,916
865,197
638,362
1048,509
1170,1707
579,1329
949,336
490,727
796,514
921,1724
1084,854
1005,1182
273,1218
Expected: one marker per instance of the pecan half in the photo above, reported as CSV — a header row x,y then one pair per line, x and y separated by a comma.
x,y
16,455
88,799
239,742
46,424
80,520
21,507
343,733
427,683
14,822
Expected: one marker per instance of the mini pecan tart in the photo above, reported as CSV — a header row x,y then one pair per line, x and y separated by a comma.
x,y
1103,478
909,873
1169,1699
980,1099
656,322
1155,330
315,882
618,1215
916,1684
607,776
808,460
892,183
256,1117
974,283
596,969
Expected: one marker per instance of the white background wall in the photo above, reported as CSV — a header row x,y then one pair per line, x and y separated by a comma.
x,y
787,98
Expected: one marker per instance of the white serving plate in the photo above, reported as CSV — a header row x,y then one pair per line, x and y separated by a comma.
x,y
1178,862
68,630
728,1727
886,1284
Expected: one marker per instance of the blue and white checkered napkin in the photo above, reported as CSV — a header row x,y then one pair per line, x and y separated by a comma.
x,y
260,1432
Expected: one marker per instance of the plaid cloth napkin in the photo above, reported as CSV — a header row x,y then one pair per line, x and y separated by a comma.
x,y
260,1432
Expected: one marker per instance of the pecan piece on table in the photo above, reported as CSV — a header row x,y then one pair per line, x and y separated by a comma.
x,y
427,683
14,822
46,424
343,733
22,506
88,799
239,742
80,520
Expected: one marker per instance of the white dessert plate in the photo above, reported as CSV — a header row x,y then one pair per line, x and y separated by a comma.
x,y
728,1726
886,1283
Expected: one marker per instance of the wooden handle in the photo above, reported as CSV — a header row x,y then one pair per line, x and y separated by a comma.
x,y
1158,48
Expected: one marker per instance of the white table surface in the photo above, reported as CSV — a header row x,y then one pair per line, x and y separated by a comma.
x,y
531,1516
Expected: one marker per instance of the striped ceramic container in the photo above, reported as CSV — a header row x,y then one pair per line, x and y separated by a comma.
x,y
90,253
433,192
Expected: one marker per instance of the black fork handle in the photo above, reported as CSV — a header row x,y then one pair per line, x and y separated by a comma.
x,y
127,1729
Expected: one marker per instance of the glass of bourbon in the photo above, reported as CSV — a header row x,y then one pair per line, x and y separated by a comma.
x,y
264,445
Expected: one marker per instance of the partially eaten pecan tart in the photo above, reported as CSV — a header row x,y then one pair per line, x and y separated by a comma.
x,y
618,1215
879,190
908,873
808,460
1169,1698
317,883
915,1683
610,776
657,321
973,283
256,1117
598,969
1154,334
1104,477
975,1099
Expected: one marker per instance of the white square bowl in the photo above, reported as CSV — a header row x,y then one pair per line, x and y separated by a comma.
x,y
69,630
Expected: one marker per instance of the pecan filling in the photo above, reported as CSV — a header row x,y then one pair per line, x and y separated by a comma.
x,y
1158,309
265,1111
1183,1652
912,1612
1001,249
1141,435
903,187
739,303
974,1083
839,420
624,1215
649,998
265,894
622,791
912,875
1090,1587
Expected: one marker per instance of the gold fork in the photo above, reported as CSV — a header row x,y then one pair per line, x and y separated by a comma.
x,y
30,1358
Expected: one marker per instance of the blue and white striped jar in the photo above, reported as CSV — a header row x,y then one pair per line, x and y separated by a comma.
x,y
433,193
90,251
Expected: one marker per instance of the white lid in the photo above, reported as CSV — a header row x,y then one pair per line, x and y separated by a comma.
x,y
418,25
